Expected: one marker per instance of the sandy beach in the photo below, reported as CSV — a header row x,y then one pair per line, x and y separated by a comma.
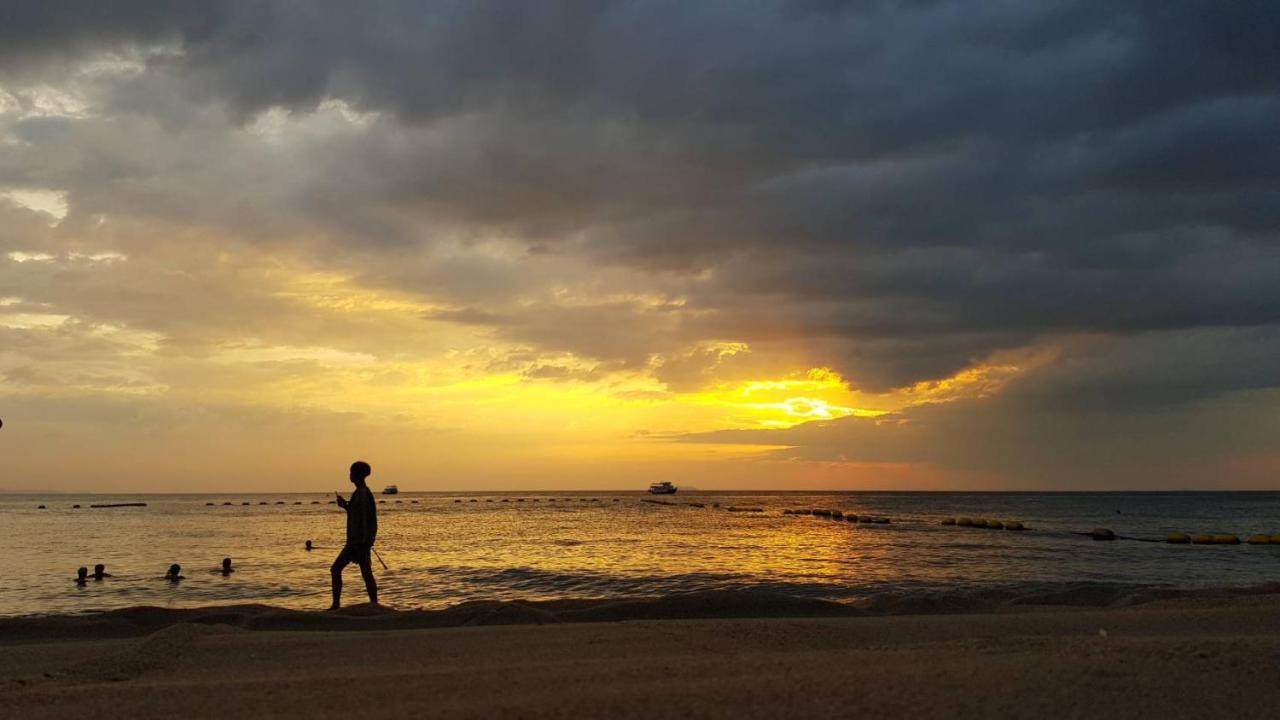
x,y
1202,655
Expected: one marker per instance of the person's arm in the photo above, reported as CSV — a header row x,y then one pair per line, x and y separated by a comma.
x,y
342,502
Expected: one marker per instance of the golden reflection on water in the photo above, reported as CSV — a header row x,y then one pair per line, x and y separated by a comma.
x,y
445,549
549,550
539,546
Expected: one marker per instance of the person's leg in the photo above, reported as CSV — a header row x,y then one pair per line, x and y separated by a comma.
x,y
335,571
366,572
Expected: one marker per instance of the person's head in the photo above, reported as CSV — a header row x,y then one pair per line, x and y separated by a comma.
x,y
226,564
359,471
82,572
99,569
174,570
308,544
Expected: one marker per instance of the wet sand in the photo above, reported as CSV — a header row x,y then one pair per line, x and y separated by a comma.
x,y
1203,655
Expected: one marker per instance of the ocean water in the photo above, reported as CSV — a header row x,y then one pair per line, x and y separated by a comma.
x,y
446,548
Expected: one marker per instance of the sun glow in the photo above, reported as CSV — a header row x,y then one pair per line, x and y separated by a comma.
x,y
816,394
392,372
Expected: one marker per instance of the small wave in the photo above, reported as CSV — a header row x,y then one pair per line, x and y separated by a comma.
x,y
472,582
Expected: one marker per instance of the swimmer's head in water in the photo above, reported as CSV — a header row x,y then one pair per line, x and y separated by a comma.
x,y
99,569
226,564
174,570
359,471
82,572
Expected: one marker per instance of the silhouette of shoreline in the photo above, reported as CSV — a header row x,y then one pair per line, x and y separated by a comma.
x,y
717,604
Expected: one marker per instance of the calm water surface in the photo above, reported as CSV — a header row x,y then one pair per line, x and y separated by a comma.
x,y
447,548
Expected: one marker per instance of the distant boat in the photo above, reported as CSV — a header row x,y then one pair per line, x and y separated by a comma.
x,y
662,488
390,490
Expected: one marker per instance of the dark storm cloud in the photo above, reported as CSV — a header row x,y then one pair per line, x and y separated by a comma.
x,y
906,186
32,33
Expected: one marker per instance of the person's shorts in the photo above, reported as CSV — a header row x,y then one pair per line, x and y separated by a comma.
x,y
357,553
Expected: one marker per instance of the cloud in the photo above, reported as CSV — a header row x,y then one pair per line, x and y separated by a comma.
x,y
898,191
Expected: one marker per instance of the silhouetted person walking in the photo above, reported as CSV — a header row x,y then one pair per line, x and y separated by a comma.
x,y
362,529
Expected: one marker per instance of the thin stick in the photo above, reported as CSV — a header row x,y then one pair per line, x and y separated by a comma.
x,y
384,564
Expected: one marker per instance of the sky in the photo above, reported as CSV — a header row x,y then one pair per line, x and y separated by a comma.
x,y
918,245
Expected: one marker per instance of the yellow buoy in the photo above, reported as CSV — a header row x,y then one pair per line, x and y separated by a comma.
x,y
1102,534
1202,539
948,521
1014,525
995,524
1259,539
1275,539
1225,539
1177,538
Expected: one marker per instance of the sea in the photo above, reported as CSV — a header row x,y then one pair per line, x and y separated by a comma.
x,y
444,548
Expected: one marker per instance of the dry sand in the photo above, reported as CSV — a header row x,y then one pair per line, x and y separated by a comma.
x,y
1213,655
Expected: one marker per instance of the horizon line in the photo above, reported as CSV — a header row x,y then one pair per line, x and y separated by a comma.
x,y
31,491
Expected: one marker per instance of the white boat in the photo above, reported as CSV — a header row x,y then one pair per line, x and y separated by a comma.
x,y
662,488
390,490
